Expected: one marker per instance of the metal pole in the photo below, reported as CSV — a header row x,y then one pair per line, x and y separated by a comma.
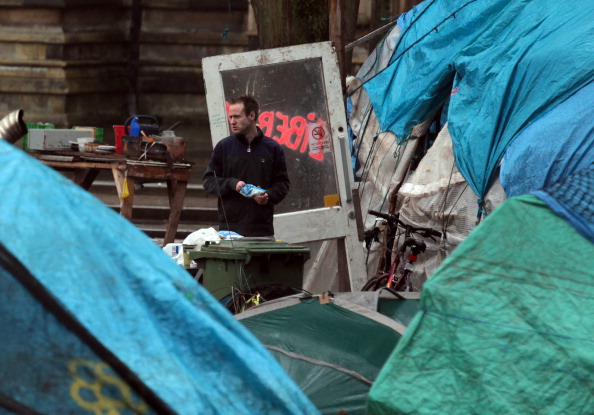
x,y
369,36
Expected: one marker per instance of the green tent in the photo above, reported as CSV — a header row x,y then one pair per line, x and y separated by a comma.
x,y
333,350
505,324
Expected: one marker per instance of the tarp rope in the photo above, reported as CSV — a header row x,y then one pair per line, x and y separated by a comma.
x,y
320,363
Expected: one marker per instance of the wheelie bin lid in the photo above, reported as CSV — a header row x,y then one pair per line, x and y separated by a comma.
x,y
244,249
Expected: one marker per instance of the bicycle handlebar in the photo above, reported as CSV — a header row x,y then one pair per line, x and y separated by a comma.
x,y
394,219
386,216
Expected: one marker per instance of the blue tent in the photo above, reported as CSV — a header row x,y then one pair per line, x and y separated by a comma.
x,y
532,57
419,78
503,64
94,316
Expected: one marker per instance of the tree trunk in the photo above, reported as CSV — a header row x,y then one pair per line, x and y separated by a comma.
x,y
380,9
294,22
290,22
350,13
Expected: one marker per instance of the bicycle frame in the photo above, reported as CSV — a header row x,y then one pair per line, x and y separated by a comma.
x,y
394,281
391,279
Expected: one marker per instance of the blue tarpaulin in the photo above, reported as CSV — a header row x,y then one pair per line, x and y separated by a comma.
x,y
94,315
553,147
504,64
419,78
573,199
534,55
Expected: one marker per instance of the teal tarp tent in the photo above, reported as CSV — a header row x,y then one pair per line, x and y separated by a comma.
x,y
501,64
504,325
534,55
333,350
418,80
95,318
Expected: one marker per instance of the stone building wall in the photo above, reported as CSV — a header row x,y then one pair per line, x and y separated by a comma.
x,y
69,62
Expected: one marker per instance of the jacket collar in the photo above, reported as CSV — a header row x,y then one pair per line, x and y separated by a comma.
x,y
256,139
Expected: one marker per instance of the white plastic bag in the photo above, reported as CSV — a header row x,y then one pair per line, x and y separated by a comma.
x,y
201,236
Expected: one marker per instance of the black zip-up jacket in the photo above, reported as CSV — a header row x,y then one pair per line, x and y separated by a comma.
x,y
263,166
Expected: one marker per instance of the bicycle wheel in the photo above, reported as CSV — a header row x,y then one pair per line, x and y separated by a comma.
x,y
375,283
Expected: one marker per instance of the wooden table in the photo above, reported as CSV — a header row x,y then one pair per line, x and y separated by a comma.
x,y
126,173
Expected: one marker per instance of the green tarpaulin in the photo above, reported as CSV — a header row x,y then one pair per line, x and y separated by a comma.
x,y
505,324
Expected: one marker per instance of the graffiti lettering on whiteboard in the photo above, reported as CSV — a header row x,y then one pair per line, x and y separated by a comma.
x,y
309,134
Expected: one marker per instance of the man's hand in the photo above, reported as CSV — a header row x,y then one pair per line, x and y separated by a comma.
x,y
261,199
239,185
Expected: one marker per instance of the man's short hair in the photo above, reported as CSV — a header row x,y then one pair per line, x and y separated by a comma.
x,y
249,104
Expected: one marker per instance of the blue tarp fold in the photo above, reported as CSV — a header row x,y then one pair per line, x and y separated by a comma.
x,y
130,296
553,147
534,55
419,78
503,64
573,199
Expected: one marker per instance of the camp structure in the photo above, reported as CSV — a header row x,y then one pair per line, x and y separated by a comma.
x,y
466,103
505,324
96,318
333,345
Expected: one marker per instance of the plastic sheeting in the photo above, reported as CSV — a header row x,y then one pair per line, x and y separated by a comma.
x,y
383,162
419,78
128,298
530,57
553,147
437,196
504,326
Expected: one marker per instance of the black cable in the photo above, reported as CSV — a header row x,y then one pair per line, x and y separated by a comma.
x,y
391,291
219,194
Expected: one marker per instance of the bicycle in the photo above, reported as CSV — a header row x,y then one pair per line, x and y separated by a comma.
x,y
392,279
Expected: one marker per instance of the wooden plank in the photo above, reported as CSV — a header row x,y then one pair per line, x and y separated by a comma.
x,y
118,178
82,165
159,173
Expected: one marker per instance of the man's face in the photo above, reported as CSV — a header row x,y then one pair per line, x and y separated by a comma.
x,y
239,121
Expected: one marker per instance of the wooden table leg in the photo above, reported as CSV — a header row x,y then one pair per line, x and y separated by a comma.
x,y
118,178
125,188
171,188
85,177
178,190
127,203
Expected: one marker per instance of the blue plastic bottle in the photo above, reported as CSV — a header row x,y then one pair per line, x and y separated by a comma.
x,y
135,127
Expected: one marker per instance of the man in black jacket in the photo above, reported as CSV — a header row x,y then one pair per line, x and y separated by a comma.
x,y
247,157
